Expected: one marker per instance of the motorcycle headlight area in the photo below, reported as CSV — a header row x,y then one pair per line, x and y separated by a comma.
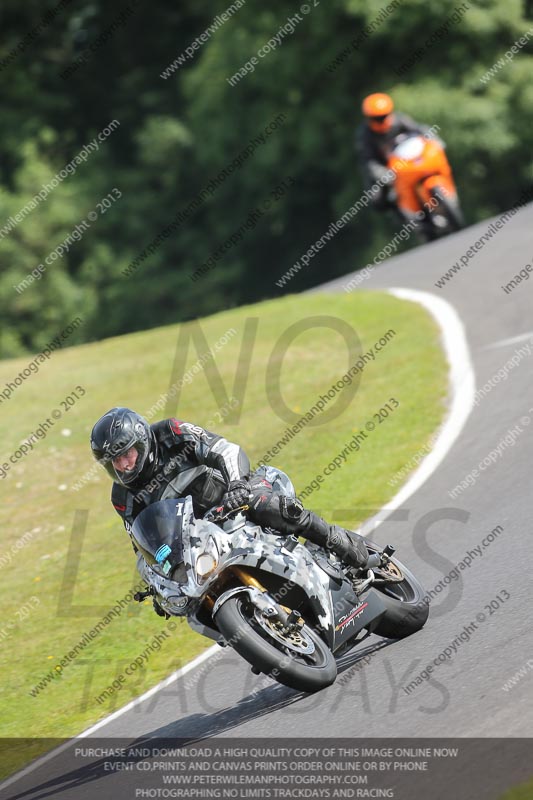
x,y
207,561
168,595
174,604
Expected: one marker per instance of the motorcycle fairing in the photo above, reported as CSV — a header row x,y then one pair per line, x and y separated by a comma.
x,y
172,523
353,614
416,175
249,546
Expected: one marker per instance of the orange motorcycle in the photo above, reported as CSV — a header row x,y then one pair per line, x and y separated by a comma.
x,y
424,182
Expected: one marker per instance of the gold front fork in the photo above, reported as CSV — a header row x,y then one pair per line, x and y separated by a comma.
x,y
244,578
247,579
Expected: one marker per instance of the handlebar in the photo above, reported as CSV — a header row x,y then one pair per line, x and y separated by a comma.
x,y
219,514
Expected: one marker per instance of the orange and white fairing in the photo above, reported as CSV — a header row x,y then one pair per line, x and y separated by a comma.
x,y
420,166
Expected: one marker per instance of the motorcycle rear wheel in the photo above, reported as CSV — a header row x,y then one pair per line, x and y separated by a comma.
x,y
307,672
407,610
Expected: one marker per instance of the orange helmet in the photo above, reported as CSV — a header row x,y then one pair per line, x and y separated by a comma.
x,y
378,109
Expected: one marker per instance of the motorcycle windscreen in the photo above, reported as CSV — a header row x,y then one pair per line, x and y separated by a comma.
x,y
410,148
157,531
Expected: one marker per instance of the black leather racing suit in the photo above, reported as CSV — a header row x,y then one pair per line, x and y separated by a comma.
x,y
191,460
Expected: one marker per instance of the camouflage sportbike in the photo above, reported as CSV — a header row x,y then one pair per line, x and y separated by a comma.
x,y
286,608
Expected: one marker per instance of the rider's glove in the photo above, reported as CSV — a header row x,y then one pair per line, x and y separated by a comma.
x,y
237,495
380,173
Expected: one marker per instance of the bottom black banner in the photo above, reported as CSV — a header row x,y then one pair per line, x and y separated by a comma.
x,y
405,769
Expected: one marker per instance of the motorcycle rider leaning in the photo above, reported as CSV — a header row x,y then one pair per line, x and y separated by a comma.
x,y
172,458
376,137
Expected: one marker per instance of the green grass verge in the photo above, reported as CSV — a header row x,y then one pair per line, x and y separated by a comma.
x,y
523,792
38,498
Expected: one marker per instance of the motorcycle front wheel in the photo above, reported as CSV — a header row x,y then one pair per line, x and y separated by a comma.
x,y
299,659
449,209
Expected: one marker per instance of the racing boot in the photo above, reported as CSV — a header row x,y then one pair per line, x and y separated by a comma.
x,y
349,546
346,544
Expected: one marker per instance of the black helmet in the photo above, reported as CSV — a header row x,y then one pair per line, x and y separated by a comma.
x,y
114,434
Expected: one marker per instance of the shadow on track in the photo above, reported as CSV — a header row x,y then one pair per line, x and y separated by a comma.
x,y
187,731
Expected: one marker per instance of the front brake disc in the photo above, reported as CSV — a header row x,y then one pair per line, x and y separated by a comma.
x,y
296,639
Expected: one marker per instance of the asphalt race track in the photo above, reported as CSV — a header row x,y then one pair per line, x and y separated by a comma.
x,y
464,695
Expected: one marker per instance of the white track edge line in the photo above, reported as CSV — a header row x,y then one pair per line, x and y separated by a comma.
x,y
461,389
